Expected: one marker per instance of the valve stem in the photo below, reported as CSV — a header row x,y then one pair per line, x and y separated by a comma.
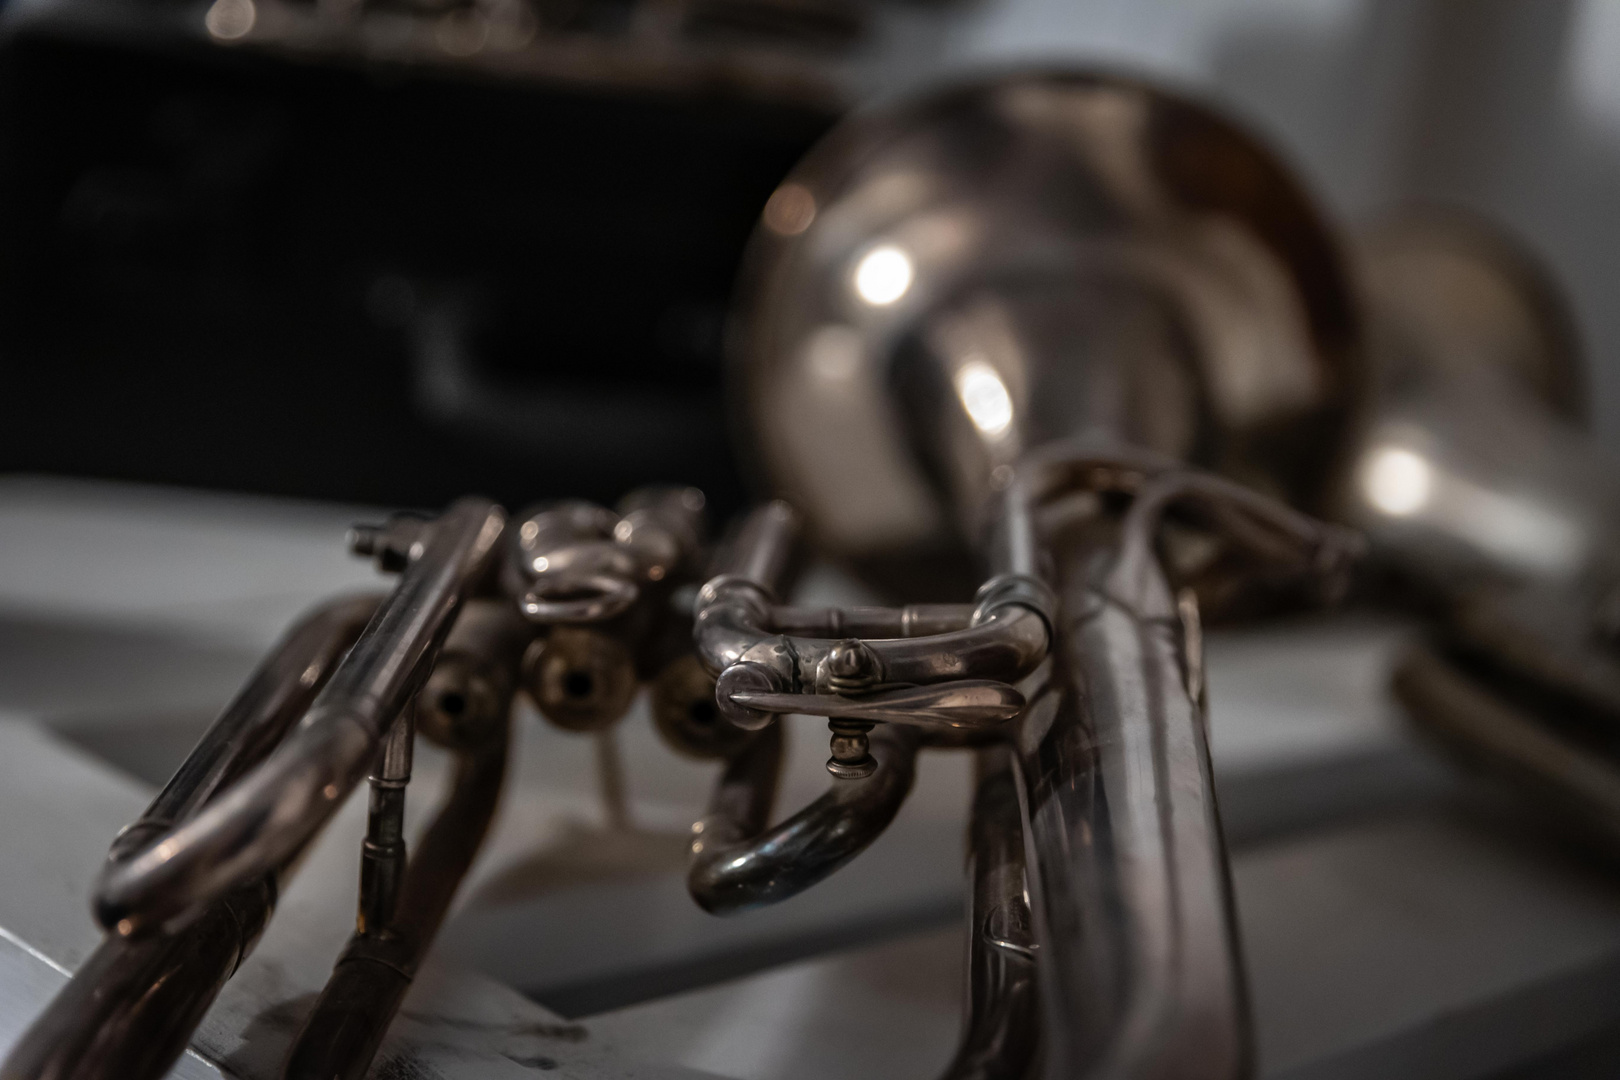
x,y
851,750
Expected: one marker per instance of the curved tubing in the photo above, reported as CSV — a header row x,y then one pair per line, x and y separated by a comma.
x,y
1001,1022
130,1009
1005,639
256,720
272,811
1006,646
353,1013
1267,528
737,864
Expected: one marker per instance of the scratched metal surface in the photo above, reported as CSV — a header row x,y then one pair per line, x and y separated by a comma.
x,y
1383,932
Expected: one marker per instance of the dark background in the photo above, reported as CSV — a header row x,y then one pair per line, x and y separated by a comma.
x,y
382,284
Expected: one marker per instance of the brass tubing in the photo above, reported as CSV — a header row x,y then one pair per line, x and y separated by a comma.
x,y
1128,870
765,545
1001,1019
582,678
1128,874
1003,640
277,694
1012,548
684,711
382,853
738,864
129,1010
473,679
1005,644
749,577
1005,637
273,810
913,620
352,1015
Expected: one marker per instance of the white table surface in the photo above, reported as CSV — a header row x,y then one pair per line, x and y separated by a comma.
x,y
1385,934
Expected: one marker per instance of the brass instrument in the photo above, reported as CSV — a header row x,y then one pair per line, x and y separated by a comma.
x,y
1015,314
1071,329
1480,491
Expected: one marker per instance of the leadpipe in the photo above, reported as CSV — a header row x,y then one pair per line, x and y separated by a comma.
x,y
1128,878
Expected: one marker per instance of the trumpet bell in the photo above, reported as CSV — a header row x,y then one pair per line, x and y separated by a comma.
x,y
945,284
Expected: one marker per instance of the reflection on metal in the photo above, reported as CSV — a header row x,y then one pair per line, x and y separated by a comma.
x,y
1065,288
470,690
347,1024
1517,532
601,583
1128,874
1019,318
1473,469
1396,481
271,812
1000,1029
738,864
790,210
188,888
1006,637
883,275
684,711
985,398
132,1006
1050,225
1480,488
230,20
1446,510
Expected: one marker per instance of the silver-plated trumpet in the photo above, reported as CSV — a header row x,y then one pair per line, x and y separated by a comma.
x,y
1013,316
188,888
1075,331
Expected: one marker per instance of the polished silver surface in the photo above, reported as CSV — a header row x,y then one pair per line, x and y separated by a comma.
x,y
1006,637
1129,932
973,267
1483,496
475,677
1139,963
1000,1026
585,564
1474,468
139,998
344,1030
273,810
133,1006
1006,319
737,863
912,620
966,703
1380,936
602,585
